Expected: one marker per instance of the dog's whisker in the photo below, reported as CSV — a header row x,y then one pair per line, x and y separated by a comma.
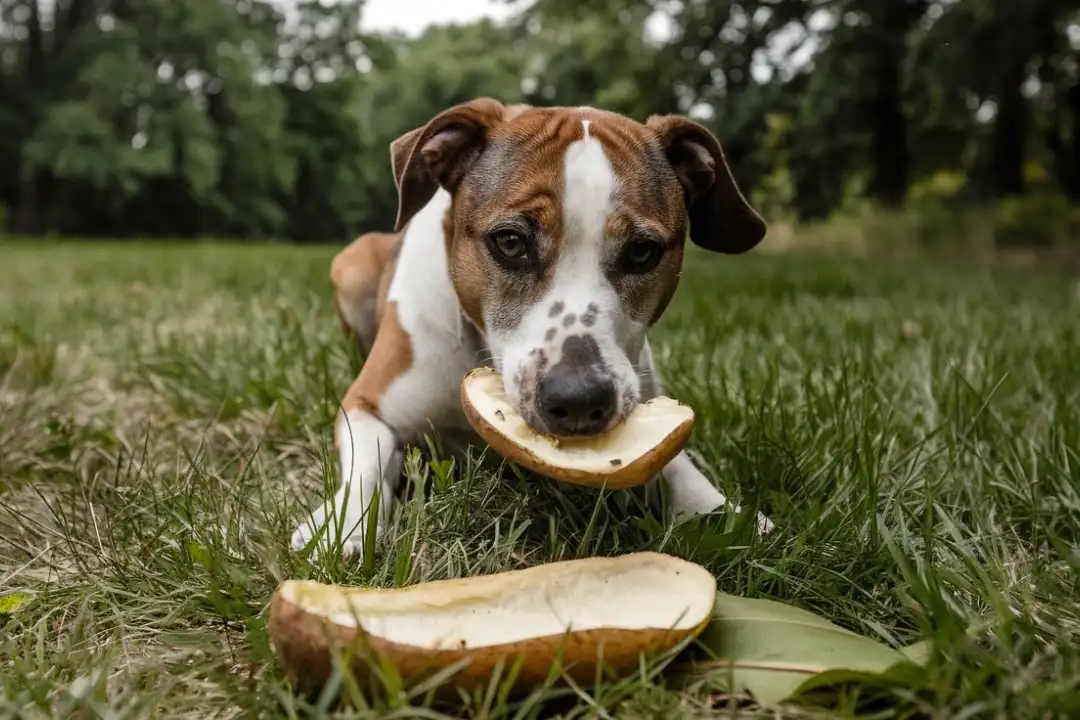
x,y
491,357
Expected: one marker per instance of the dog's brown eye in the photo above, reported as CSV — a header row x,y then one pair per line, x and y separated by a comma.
x,y
641,256
511,248
511,245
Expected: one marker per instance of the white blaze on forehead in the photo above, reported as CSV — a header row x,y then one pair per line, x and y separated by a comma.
x,y
588,187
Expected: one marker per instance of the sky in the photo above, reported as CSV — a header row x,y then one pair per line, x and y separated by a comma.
x,y
412,16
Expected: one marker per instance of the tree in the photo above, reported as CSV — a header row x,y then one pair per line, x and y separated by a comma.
x,y
252,118
985,49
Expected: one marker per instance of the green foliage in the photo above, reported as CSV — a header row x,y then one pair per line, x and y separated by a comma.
x,y
941,186
1036,221
777,653
1019,228
11,603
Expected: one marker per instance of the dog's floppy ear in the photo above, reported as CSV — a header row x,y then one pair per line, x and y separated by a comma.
x,y
721,219
440,153
399,153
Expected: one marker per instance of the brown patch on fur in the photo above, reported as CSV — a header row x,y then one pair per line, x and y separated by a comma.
x,y
391,356
649,203
669,170
721,219
512,111
343,321
384,282
645,297
360,274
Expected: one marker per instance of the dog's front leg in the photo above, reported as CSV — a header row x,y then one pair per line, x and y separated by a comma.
x,y
690,493
371,462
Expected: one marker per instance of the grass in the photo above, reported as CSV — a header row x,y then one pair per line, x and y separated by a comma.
x,y
165,417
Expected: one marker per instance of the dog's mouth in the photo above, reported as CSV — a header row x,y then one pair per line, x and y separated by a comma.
x,y
533,419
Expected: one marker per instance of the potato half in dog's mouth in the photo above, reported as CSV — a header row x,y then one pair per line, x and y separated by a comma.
x,y
627,455
586,612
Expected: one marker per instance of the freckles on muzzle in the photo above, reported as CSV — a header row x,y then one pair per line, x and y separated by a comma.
x,y
576,396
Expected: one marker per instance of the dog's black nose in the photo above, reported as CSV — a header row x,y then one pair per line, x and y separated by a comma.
x,y
576,403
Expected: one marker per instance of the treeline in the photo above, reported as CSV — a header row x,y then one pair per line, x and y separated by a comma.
x,y
230,118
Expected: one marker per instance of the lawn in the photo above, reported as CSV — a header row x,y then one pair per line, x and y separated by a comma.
x,y
166,414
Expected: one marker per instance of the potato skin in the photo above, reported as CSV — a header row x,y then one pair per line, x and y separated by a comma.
x,y
306,643
638,472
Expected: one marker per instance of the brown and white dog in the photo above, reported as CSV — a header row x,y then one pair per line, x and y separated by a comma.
x,y
544,241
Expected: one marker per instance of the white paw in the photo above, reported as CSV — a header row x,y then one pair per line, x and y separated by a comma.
x,y
692,494
351,546
705,500
764,524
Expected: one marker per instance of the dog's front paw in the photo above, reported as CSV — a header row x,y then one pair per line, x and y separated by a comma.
x,y
708,503
764,524
328,540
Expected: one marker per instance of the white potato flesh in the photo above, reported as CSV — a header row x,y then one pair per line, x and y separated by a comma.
x,y
640,591
646,428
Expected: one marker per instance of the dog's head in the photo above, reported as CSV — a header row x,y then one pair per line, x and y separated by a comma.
x,y
565,240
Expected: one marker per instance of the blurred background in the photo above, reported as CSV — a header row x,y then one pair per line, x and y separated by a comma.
x,y
875,125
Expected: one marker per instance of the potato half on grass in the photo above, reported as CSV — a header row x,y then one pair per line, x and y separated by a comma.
x,y
627,455
590,612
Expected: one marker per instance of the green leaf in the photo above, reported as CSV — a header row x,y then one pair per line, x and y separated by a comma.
x,y
14,602
919,652
775,652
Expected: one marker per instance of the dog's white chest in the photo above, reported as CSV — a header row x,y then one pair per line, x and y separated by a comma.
x,y
444,348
